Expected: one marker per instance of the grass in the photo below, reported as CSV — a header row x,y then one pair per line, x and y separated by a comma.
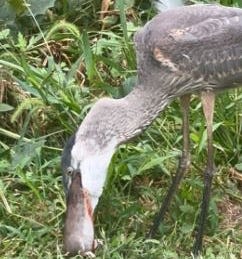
x,y
47,87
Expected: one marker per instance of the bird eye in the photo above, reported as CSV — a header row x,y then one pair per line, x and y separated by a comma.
x,y
69,171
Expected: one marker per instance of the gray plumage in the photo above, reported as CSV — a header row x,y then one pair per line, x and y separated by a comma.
x,y
200,42
180,51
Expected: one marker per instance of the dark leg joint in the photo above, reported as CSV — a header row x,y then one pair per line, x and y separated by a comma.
x,y
209,172
185,162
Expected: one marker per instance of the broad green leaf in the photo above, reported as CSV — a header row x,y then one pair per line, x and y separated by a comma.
x,y
186,228
187,208
121,7
4,165
155,162
4,34
239,167
22,43
126,3
204,136
5,107
88,56
25,153
11,65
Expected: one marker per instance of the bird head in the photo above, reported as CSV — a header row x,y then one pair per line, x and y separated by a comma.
x,y
84,164
78,228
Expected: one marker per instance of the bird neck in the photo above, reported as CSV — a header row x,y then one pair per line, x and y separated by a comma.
x,y
110,123
139,109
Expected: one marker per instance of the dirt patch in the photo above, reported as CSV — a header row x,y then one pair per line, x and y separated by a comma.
x,y
232,213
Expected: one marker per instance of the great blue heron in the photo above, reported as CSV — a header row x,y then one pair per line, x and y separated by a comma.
x,y
181,51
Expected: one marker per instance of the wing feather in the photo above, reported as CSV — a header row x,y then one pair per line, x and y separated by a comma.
x,y
210,49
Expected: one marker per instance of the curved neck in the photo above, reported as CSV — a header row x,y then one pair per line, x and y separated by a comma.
x,y
109,123
139,109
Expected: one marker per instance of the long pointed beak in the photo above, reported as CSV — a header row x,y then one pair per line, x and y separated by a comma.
x,y
79,228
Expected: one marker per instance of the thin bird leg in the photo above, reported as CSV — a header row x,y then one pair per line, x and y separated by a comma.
x,y
208,99
182,167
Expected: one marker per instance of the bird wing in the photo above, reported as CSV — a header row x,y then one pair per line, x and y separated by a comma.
x,y
210,49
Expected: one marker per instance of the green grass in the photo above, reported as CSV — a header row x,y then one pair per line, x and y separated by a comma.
x,y
47,86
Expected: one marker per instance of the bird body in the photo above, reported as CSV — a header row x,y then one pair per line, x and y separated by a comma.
x,y
200,42
180,51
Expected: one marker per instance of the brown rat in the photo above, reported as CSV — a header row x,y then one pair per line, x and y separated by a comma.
x,y
79,228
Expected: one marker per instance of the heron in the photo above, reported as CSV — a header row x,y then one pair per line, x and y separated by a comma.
x,y
187,50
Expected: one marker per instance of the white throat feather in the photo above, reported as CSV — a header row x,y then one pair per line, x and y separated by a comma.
x,y
93,166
